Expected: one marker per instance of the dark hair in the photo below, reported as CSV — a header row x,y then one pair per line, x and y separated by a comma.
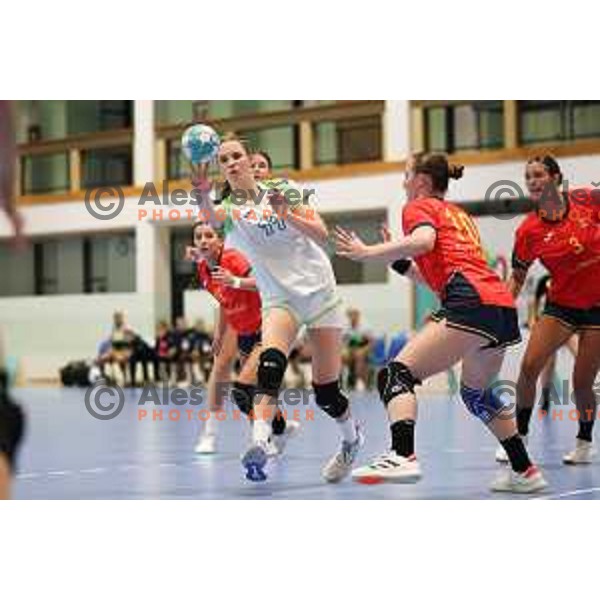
x,y
265,155
219,232
438,168
550,164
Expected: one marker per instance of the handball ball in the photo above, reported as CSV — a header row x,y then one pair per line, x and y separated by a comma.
x,y
200,144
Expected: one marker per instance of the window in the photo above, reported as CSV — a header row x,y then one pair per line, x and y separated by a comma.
x,y
110,263
45,173
279,142
368,225
347,141
17,270
469,126
106,167
57,119
70,265
558,120
177,112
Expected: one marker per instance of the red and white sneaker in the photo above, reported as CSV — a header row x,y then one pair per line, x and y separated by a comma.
x,y
529,482
389,468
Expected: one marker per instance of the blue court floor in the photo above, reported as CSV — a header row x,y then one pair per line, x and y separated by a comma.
x,y
68,454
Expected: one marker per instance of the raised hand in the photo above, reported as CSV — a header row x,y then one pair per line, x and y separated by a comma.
x,y
348,244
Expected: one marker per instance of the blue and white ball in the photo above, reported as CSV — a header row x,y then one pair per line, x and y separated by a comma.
x,y
200,144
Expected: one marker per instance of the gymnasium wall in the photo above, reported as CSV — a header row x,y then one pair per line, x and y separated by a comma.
x,y
33,324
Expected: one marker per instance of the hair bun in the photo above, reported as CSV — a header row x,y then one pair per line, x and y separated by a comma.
x,y
455,171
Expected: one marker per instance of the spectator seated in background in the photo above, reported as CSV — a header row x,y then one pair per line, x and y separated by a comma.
x,y
201,353
183,341
164,350
141,353
119,352
103,357
358,343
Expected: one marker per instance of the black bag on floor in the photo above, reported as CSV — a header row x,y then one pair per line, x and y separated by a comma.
x,y
75,374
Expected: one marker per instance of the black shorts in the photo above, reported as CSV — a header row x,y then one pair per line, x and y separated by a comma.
x,y
574,318
462,309
247,342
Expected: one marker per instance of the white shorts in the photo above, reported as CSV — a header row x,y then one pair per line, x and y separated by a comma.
x,y
317,311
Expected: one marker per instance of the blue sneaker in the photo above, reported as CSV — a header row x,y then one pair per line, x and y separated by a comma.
x,y
254,461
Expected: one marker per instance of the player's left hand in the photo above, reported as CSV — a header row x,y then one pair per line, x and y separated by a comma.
x,y
222,276
348,244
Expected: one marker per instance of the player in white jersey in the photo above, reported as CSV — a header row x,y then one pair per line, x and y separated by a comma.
x,y
276,227
11,416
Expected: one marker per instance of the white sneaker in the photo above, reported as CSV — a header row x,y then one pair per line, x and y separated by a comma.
x,y
207,444
520,483
583,454
340,463
501,455
389,468
279,442
254,461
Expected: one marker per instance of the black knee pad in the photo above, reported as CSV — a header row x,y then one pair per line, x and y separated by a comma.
x,y
271,370
12,424
395,379
243,396
330,399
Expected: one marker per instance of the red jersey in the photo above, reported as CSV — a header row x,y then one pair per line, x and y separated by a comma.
x,y
569,249
242,308
457,251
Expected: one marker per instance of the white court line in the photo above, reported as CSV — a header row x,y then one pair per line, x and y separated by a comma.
x,y
580,492
58,472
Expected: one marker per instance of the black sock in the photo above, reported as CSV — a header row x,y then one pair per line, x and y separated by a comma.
x,y
3,385
517,454
523,418
585,430
278,425
403,437
545,399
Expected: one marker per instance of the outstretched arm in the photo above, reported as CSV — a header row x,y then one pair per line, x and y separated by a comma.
x,y
420,241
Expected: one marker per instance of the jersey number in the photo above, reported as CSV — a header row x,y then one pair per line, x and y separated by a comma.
x,y
466,229
272,224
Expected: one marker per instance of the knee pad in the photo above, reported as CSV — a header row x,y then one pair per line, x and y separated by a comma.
x,y
271,371
330,399
484,404
243,396
395,379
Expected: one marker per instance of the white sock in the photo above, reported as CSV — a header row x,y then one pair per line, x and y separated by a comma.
x,y
212,424
348,429
261,432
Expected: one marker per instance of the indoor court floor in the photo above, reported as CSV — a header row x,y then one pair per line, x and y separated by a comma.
x,y
68,454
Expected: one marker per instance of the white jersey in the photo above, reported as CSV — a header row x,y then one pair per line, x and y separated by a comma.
x,y
287,264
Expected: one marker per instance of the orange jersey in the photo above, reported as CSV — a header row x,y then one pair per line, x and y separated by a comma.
x,y
569,249
457,251
242,308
